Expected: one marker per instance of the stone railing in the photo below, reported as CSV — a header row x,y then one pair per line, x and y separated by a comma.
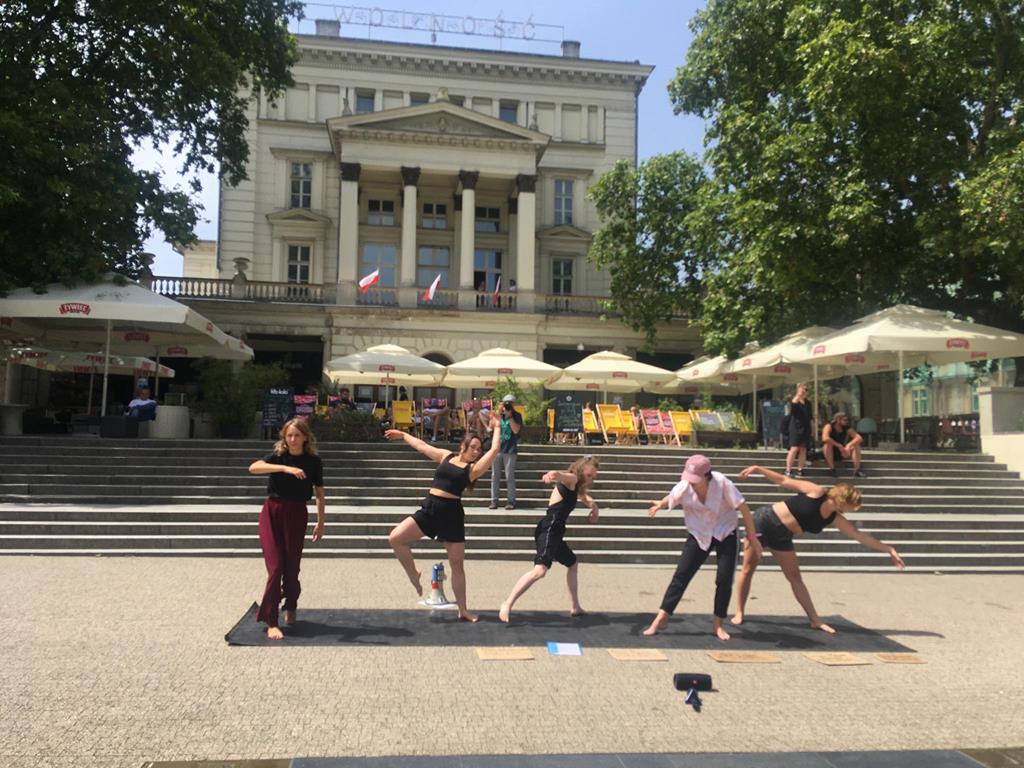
x,y
240,289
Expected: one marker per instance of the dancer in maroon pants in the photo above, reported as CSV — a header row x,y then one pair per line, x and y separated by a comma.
x,y
295,474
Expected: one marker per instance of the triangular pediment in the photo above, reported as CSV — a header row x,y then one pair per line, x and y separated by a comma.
x,y
437,118
565,232
298,216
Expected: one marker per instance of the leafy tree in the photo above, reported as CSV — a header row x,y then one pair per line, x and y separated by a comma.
x,y
858,153
86,83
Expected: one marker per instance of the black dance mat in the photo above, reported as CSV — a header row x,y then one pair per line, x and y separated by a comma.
x,y
423,627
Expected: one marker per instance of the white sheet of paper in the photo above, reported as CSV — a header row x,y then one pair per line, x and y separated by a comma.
x,y
565,649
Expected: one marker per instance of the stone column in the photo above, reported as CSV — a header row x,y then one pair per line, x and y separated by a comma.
x,y
410,211
526,239
348,234
467,239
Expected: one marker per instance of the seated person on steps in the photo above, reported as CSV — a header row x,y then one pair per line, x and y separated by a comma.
x,y
840,441
143,407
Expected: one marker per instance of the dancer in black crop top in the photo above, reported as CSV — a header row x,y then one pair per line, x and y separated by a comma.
x,y
441,515
549,534
811,510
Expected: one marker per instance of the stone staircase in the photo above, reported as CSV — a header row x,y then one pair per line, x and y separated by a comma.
x,y
83,495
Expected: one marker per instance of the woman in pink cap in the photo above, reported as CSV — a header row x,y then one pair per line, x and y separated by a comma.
x,y
709,501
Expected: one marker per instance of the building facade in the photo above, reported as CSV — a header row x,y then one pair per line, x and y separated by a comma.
x,y
424,163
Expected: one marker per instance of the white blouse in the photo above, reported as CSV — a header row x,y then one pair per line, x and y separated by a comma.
x,y
715,517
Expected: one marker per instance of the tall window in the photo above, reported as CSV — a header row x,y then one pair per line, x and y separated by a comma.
x,y
459,101
299,258
919,405
301,185
509,111
364,102
435,216
563,201
487,219
418,99
381,212
561,277
380,256
487,269
432,260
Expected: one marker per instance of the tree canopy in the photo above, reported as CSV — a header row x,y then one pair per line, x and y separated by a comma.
x,y
85,84
858,153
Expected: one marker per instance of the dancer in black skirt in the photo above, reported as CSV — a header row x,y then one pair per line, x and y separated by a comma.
x,y
549,534
441,515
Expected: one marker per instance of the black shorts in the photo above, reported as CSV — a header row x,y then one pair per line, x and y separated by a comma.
x,y
770,530
442,519
551,546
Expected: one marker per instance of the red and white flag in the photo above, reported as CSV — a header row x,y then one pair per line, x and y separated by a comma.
x,y
496,298
369,280
428,295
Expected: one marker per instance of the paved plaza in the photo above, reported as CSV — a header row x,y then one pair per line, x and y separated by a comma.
x,y
112,662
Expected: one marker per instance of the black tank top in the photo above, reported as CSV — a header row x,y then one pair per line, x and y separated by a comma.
x,y
559,511
807,512
840,435
450,478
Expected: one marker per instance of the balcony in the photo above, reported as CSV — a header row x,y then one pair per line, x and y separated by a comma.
x,y
444,299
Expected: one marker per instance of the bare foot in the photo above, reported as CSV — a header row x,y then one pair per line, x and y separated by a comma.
x,y
721,634
823,627
657,625
416,583
472,618
274,633
737,619
503,612
289,618
577,612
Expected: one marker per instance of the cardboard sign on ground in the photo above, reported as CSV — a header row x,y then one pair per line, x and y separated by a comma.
x,y
504,654
900,658
637,654
837,659
744,657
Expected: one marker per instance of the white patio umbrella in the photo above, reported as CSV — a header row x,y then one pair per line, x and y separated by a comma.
x,y
610,372
123,317
913,335
387,364
86,362
485,369
775,361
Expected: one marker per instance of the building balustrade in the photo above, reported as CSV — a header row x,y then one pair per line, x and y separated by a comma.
x,y
309,293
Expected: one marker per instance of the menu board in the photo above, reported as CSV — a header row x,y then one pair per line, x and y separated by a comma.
x,y
771,419
278,406
568,414
305,405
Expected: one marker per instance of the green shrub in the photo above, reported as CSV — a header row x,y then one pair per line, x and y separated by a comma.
x,y
230,395
340,425
531,398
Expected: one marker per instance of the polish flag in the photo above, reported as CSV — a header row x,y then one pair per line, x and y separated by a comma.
x,y
496,298
369,280
428,295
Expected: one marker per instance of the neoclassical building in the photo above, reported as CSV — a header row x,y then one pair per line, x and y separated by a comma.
x,y
424,162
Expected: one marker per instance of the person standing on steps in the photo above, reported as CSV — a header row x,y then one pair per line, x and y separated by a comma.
x,y
811,510
799,431
549,535
441,515
295,473
710,501
510,424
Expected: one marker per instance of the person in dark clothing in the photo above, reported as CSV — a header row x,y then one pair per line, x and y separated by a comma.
x,y
572,485
799,431
295,474
811,510
345,400
441,515
841,441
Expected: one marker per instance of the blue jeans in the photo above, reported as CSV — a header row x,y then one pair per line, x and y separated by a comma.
x,y
506,462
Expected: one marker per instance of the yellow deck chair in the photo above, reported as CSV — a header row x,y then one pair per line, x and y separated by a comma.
x,y
402,413
614,422
551,425
590,425
683,423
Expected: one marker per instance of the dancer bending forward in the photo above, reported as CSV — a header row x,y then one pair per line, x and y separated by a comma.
x,y
709,501
811,510
549,534
441,515
294,474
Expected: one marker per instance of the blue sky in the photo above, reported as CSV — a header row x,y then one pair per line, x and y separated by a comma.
x,y
655,33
